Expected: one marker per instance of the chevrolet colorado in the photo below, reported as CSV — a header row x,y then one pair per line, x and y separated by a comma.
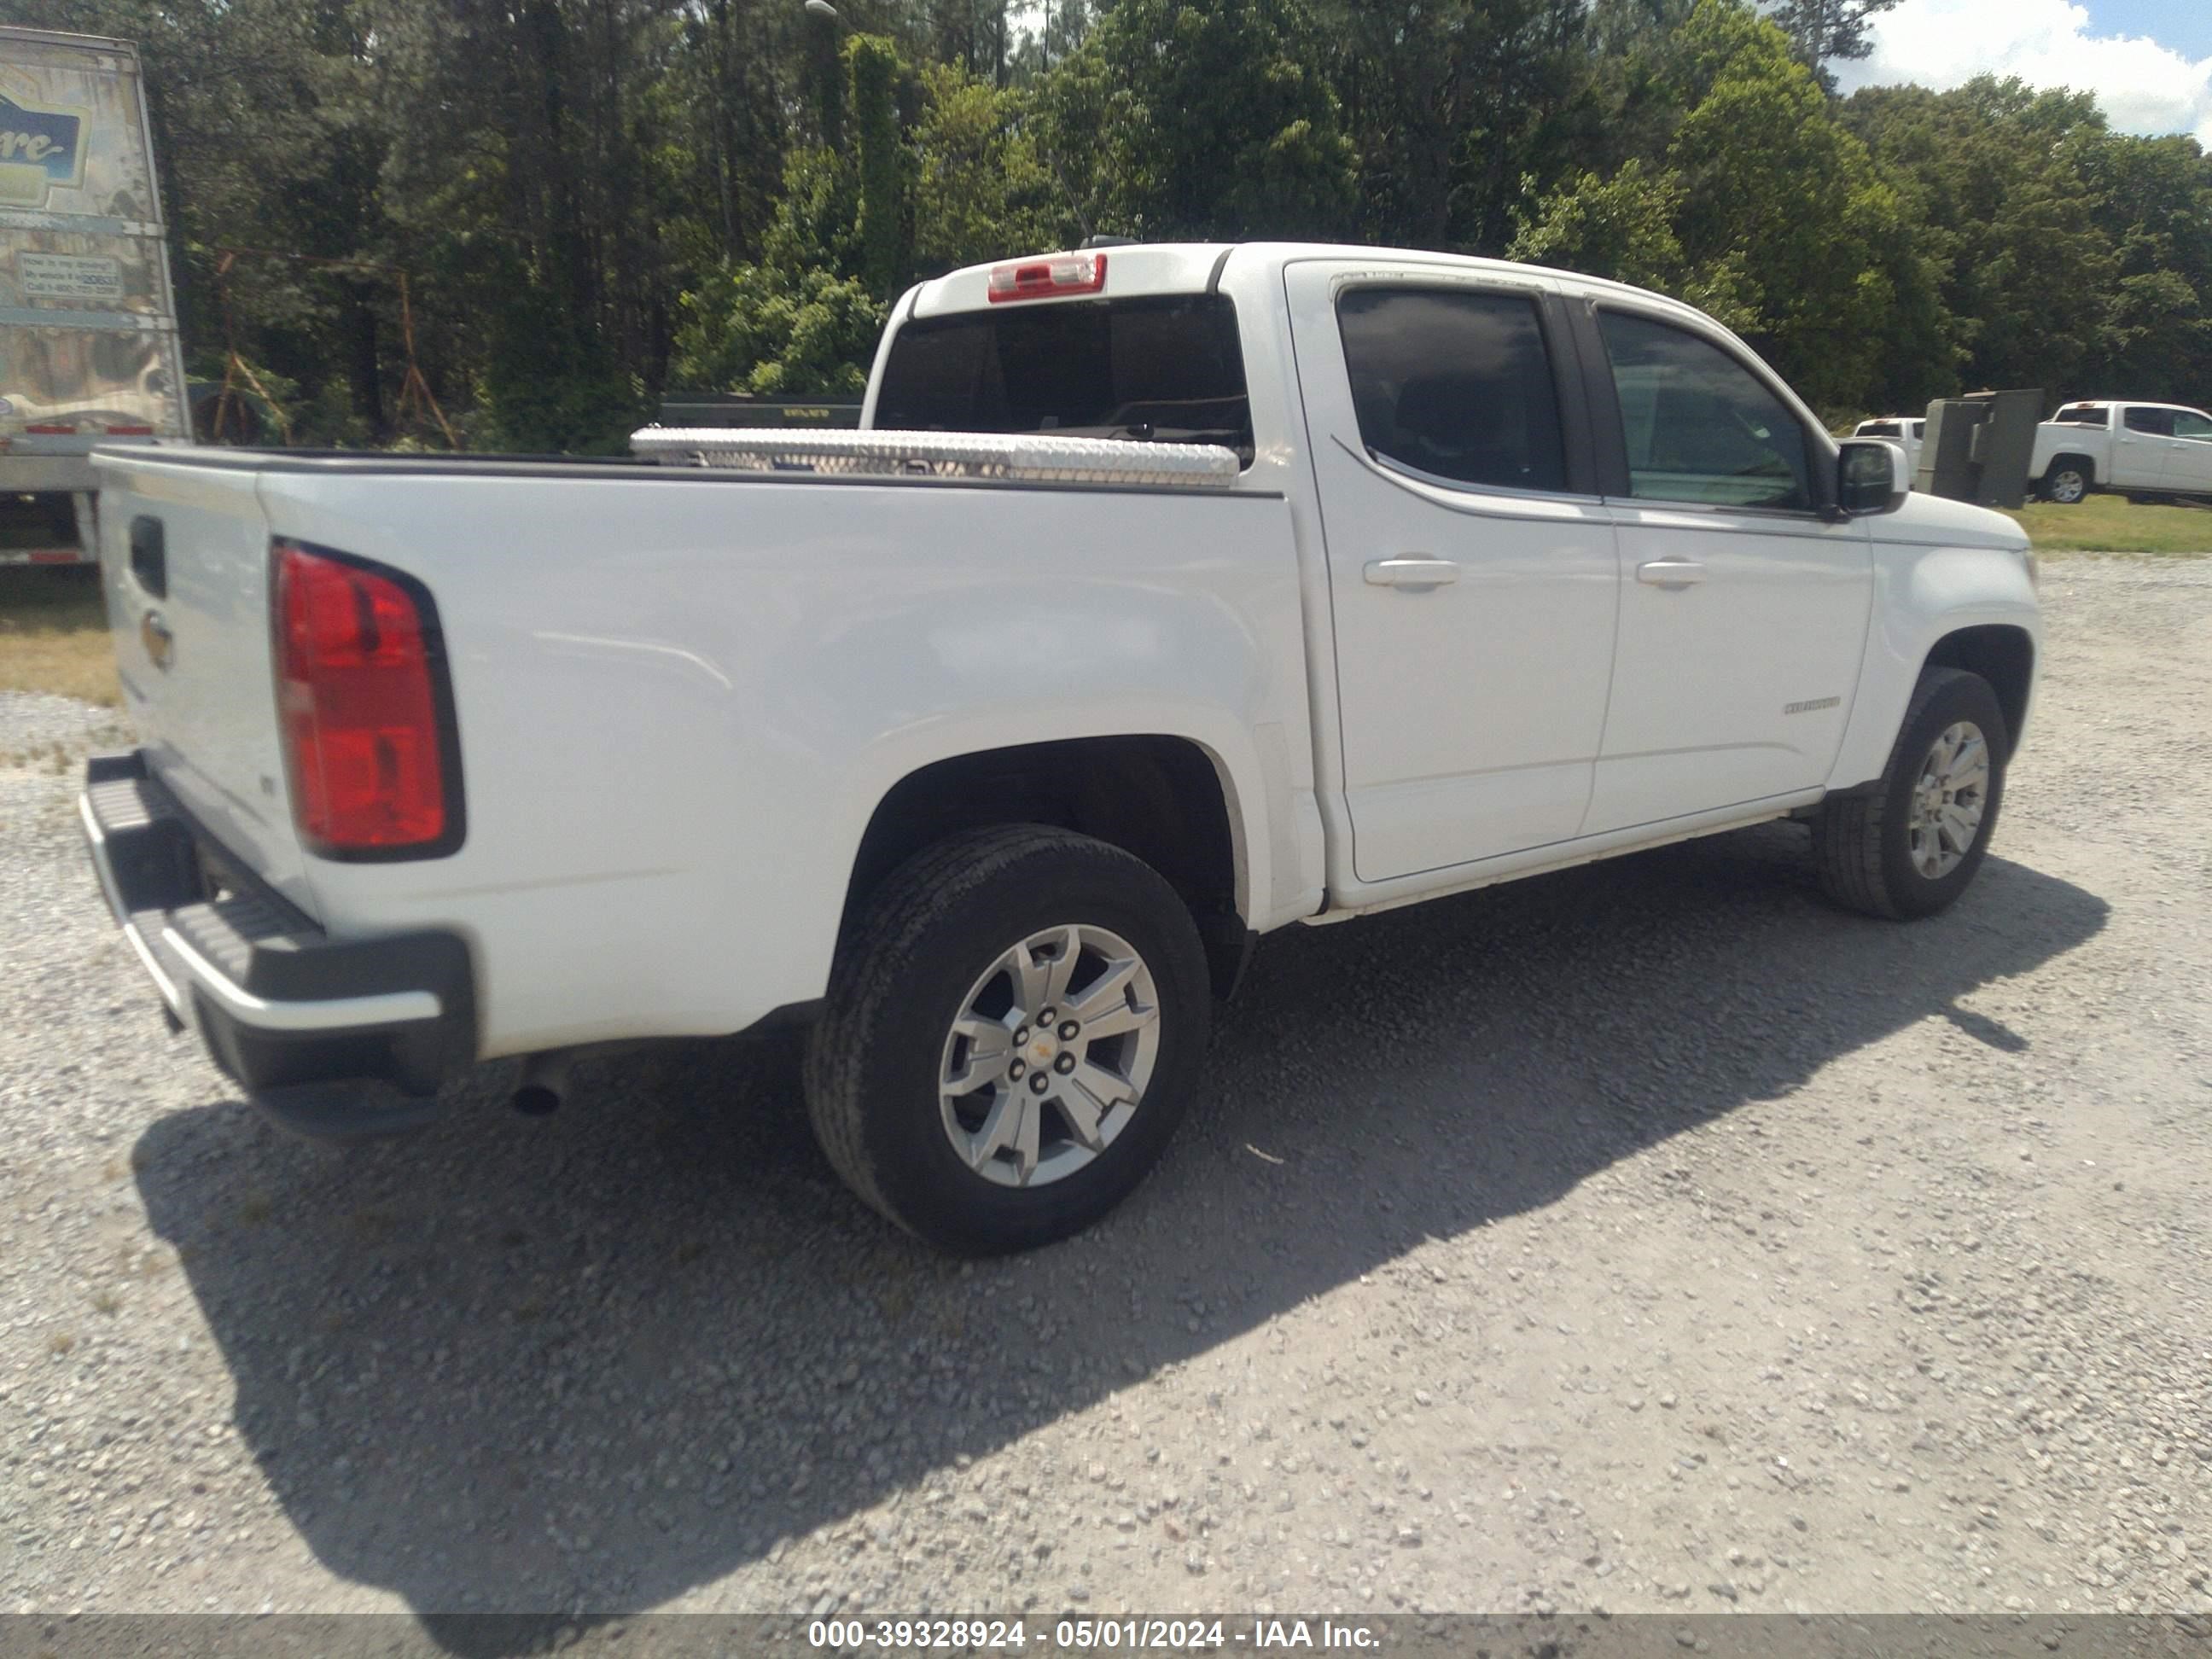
x,y
2137,449
1170,595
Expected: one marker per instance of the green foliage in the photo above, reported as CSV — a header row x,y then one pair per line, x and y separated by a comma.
x,y
550,385
982,189
1205,122
597,199
772,333
874,67
1622,227
1821,31
1764,212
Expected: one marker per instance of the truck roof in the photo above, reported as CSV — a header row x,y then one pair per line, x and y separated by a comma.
x,y
2127,403
1138,270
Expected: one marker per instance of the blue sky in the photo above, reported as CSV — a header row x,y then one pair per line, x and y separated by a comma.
x,y
2149,62
2185,24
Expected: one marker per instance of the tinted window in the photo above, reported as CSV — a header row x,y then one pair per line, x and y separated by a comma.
x,y
1699,426
2083,414
1880,430
1920,428
1455,385
2189,424
2159,423
1168,369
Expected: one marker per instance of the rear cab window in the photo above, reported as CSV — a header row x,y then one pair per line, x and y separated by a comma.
x,y
1880,430
2083,414
1161,369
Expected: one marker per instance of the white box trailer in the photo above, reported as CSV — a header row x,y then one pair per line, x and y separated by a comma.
x,y
88,346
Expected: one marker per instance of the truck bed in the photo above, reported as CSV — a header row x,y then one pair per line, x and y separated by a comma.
x,y
704,678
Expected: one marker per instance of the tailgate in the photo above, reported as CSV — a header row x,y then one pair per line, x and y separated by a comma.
x,y
184,557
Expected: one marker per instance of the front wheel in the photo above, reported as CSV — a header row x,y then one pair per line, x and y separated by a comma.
x,y
1011,1037
1910,846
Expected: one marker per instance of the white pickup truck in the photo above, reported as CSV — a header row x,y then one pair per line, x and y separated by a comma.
x,y
2134,449
1297,583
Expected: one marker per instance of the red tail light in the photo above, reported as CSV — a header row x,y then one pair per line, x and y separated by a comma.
x,y
1048,278
367,713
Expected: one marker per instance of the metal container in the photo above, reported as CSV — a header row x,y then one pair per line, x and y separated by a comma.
x,y
1978,448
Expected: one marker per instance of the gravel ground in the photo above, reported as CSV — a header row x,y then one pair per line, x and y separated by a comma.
x,y
1650,1236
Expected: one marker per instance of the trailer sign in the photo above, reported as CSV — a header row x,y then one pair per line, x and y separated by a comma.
x,y
74,276
40,148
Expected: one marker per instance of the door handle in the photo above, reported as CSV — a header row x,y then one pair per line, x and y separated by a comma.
x,y
1671,572
1414,570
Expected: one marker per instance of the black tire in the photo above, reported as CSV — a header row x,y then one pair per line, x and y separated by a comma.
x,y
2069,481
937,923
1861,845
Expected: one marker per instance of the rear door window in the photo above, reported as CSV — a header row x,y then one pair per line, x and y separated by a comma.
x,y
1167,369
1456,385
2155,422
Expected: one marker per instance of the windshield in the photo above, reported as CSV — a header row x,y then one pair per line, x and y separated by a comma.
x,y
1163,370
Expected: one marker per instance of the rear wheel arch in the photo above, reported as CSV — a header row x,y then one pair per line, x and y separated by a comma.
x,y
1166,800
2085,465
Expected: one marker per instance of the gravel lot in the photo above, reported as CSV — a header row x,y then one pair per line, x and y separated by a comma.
x,y
1650,1236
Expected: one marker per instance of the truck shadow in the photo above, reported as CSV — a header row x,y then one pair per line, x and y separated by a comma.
x,y
599,1361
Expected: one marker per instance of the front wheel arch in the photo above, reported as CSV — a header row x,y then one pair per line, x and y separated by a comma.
x,y
2000,653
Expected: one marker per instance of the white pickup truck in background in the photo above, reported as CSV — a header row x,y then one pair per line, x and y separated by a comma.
x,y
1297,582
1908,432
2133,449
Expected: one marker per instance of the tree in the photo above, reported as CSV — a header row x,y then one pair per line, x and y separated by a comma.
x,y
1451,103
2027,279
1765,213
873,68
1821,30
1209,121
982,189
1622,227
770,333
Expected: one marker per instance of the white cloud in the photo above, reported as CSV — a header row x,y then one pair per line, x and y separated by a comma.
x,y
2142,86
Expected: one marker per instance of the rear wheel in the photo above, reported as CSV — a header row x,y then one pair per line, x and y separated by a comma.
x,y
1910,846
2069,480
1010,1039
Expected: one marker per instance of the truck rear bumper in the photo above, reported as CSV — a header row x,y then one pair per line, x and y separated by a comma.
x,y
286,1010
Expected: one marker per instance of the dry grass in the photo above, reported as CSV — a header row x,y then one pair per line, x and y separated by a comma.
x,y
53,636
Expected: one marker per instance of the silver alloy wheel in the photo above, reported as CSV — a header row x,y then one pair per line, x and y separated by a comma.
x,y
2068,486
1050,1056
1949,798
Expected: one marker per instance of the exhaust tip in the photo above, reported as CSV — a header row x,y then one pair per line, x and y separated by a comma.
x,y
543,1083
537,1100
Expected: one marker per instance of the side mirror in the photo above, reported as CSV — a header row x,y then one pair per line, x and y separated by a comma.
x,y
1871,475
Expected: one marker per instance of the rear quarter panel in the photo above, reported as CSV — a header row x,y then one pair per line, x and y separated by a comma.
x,y
680,697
